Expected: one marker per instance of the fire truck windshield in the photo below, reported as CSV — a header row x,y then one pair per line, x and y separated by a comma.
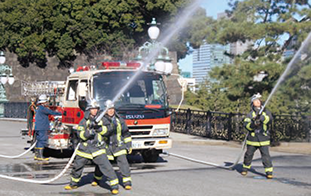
x,y
147,89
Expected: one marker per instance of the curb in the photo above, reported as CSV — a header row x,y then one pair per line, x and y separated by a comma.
x,y
210,143
14,119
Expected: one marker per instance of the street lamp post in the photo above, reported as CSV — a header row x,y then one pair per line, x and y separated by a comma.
x,y
163,62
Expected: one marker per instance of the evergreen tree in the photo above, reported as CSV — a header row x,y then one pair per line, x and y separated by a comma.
x,y
272,26
33,29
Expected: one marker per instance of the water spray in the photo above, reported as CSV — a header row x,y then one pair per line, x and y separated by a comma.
x,y
170,32
299,56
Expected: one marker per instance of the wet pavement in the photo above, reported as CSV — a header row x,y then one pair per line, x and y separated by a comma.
x,y
168,176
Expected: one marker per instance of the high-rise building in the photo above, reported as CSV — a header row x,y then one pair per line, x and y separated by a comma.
x,y
206,57
239,47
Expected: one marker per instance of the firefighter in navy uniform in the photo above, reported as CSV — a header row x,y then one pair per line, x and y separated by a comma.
x,y
92,147
42,126
258,137
119,144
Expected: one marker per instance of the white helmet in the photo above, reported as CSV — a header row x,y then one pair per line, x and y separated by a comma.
x,y
254,97
43,99
109,104
92,104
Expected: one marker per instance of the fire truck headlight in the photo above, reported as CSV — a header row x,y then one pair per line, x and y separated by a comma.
x,y
163,131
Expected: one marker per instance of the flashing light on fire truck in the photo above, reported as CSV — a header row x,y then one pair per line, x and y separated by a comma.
x,y
111,65
161,66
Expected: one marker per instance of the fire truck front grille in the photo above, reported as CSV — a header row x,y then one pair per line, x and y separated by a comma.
x,y
140,133
140,130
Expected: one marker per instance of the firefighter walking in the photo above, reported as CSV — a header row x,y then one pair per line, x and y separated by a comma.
x,y
119,143
258,137
42,126
92,148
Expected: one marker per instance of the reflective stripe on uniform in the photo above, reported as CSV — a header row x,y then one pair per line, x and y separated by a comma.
x,y
269,169
253,114
98,177
247,167
126,179
99,137
75,179
88,122
99,152
119,129
248,120
104,128
121,152
110,157
248,126
267,118
80,128
84,155
127,139
114,182
82,135
264,143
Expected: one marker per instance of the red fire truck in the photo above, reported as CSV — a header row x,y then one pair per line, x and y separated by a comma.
x,y
143,105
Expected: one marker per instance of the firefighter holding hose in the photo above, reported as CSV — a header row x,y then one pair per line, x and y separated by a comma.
x,y
119,144
259,136
93,148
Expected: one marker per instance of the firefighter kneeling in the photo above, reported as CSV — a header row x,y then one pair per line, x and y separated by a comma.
x,y
258,137
92,148
120,143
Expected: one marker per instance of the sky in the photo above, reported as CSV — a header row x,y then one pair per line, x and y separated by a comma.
x,y
212,7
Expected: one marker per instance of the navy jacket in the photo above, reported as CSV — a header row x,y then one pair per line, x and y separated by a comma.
x,y
42,118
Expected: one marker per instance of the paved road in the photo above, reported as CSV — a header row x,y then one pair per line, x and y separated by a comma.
x,y
169,176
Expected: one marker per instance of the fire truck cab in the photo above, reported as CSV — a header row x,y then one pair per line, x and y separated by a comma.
x,y
142,102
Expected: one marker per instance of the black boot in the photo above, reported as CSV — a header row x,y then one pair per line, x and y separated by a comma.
x,y
40,155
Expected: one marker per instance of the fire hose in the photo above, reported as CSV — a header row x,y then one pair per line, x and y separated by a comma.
x,y
75,152
210,163
17,156
45,181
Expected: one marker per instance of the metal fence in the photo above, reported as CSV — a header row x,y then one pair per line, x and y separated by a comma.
x,y
214,125
229,126
14,109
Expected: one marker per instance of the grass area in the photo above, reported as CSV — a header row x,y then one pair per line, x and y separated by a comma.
x,y
185,106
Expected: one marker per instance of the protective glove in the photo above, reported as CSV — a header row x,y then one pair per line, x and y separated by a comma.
x,y
94,125
257,121
129,150
89,133
257,131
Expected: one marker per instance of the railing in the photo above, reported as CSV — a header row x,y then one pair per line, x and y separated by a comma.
x,y
229,126
214,125
14,109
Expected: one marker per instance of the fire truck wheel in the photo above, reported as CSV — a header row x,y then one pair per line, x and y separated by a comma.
x,y
150,156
